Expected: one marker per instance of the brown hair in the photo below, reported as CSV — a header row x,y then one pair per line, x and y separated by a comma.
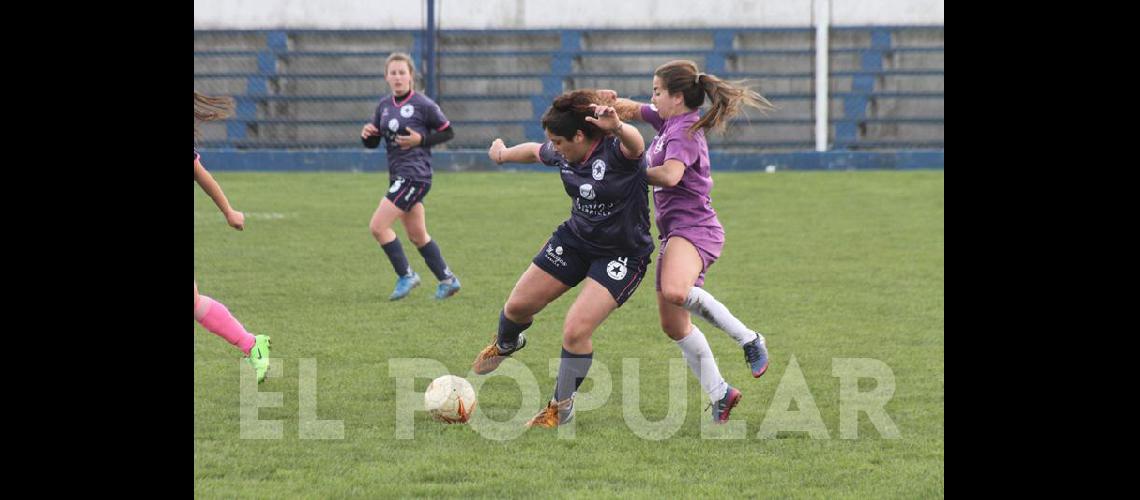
x,y
208,109
728,98
567,114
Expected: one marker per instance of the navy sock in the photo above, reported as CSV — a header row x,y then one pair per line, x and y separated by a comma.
x,y
435,261
395,253
509,330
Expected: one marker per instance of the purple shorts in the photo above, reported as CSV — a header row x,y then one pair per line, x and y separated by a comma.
x,y
708,240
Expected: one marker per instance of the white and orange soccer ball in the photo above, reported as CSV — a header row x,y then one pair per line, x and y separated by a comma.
x,y
450,399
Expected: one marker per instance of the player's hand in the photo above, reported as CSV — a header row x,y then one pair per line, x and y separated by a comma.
x,y
369,131
606,118
608,95
235,219
496,151
409,141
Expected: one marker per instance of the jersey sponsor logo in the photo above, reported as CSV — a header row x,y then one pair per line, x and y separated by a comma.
x,y
407,111
393,125
586,191
554,255
599,169
617,268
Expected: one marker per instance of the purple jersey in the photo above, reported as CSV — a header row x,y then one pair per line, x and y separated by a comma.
x,y
610,213
687,204
416,112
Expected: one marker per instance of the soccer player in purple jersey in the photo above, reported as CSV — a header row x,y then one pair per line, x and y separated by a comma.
x,y
605,242
410,124
208,312
690,233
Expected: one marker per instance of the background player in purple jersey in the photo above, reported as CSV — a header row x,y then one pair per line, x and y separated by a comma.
x,y
690,233
410,124
211,314
605,242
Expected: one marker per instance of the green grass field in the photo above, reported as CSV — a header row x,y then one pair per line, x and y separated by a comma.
x,y
826,265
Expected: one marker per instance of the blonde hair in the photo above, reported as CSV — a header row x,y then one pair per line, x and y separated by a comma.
x,y
208,109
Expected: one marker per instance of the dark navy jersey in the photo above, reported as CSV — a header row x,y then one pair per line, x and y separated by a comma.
x,y
416,112
610,193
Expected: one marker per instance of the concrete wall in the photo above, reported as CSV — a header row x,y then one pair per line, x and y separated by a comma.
x,y
533,14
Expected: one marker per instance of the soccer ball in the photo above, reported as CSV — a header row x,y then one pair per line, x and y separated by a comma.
x,y
450,399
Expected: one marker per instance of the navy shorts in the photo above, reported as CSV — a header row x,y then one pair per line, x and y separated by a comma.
x,y
619,274
406,193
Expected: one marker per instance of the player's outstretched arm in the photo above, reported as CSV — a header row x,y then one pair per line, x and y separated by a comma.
x,y
526,152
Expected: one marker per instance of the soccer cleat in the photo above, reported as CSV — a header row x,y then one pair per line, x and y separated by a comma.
x,y
555,414
259,356
404,286
756,355
722,408
493,355
445,289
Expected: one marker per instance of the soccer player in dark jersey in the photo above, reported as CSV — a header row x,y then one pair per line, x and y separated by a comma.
x,y
210,313
691,235
409,123
605,242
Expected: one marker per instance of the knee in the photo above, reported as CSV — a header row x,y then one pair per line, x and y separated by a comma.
x,y
419,239
517,311
377,229
675,294
574,333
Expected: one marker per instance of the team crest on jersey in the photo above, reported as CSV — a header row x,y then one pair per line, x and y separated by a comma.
x,y
599,169
586,191
617,268
393,125
407,111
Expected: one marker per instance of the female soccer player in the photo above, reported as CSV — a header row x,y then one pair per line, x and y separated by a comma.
x,y
605,242
691,235
210,313
404,120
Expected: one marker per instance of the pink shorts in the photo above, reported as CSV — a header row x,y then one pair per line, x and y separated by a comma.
x,y
708,240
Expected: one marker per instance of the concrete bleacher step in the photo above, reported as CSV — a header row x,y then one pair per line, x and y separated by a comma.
x,y
902,132
221,86
490,65
911,83
887,107
328,87
915,60
225,64
490,41
488,86
651,40
350,42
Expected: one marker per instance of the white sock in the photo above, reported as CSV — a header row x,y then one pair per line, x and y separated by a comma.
x,y
706,306
695,349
